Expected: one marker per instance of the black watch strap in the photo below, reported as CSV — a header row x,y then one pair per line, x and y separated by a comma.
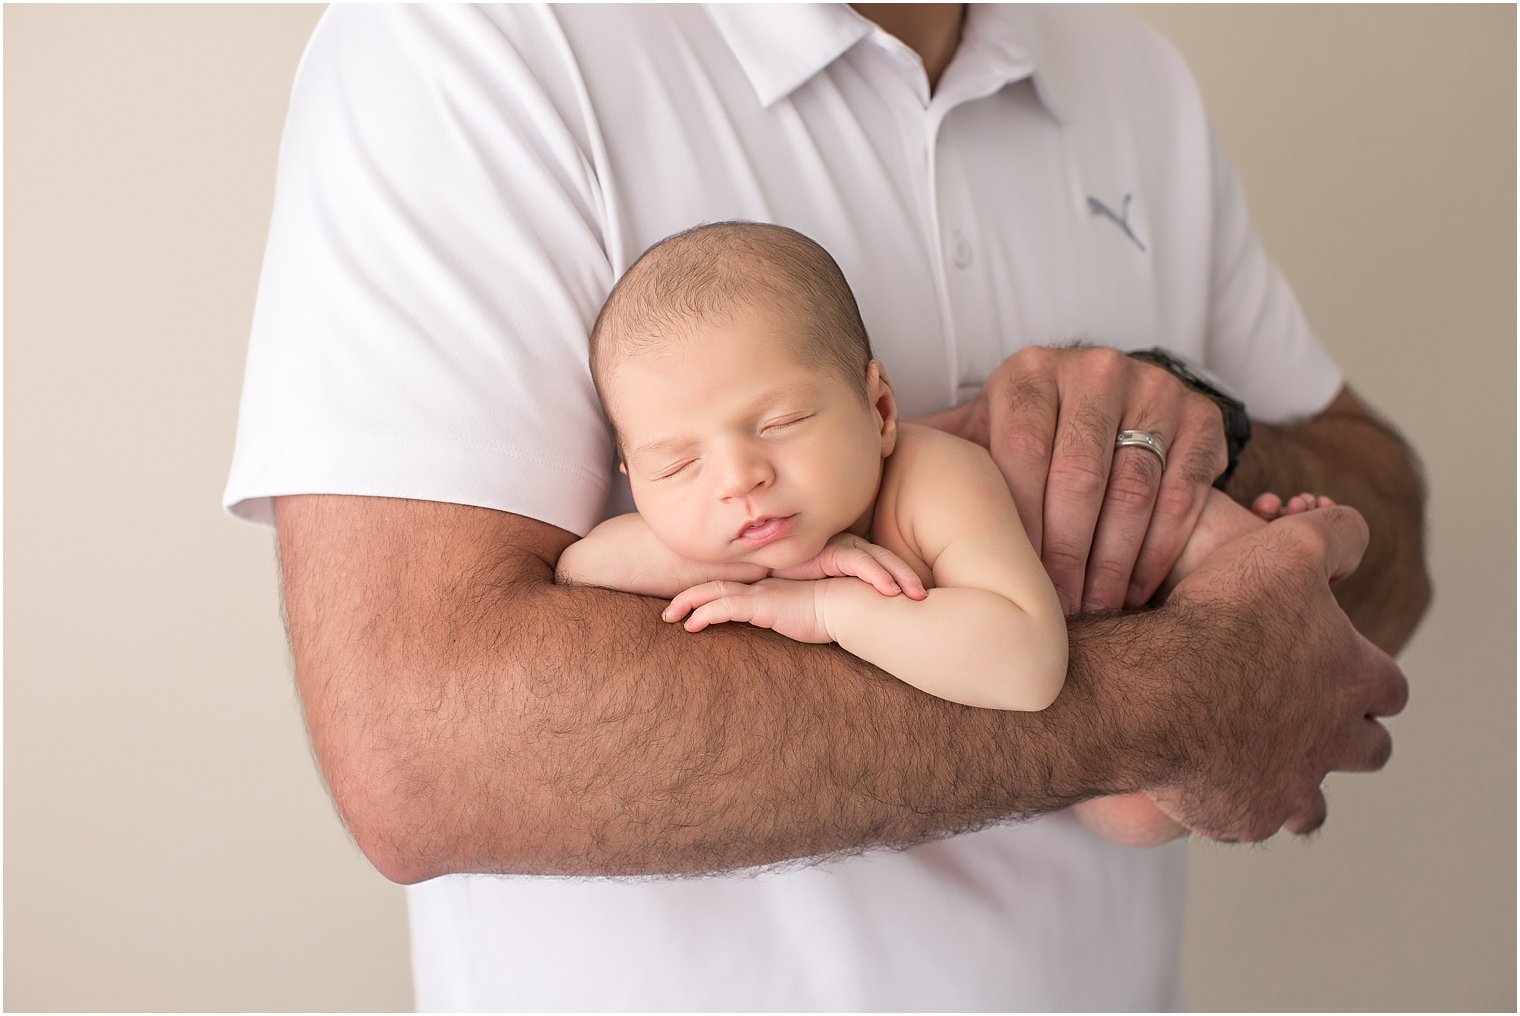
x,y
1237,425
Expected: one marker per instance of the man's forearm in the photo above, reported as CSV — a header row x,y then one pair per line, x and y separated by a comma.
x,y
598,740
491,721
469,715
1351,456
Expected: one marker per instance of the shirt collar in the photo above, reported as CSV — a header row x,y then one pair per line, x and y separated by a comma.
x,y
1006,38
782,46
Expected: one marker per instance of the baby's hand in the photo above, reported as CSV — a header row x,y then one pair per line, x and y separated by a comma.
x,y
1270,506
847,555
790,608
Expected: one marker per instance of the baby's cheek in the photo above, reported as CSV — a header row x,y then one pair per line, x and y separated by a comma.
x,y
691,537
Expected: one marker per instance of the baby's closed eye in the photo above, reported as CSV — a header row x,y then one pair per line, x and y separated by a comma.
x,y
786,421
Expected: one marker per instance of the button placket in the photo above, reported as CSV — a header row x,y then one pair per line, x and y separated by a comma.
x,y
970,308
961,251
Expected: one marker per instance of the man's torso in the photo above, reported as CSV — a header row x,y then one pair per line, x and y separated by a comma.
x,y
459,189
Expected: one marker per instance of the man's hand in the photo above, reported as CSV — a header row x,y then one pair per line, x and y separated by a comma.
x,y
1319,686
1349,454
1108,524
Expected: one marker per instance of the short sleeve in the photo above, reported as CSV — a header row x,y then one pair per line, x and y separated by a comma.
x,y
1256,333
434,264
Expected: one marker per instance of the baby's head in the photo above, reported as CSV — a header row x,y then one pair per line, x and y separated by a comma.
x,y
723,271
750,416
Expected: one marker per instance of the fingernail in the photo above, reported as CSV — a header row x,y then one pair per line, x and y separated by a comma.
x,y
1066,606
1092,607
1134,597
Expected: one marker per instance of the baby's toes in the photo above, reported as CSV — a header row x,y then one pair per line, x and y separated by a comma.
x,y
1267,506
1300,503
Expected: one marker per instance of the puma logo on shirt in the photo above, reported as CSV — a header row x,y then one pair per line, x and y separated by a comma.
x,y
1099,208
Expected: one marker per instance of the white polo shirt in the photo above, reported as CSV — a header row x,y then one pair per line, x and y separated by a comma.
x,y
458,189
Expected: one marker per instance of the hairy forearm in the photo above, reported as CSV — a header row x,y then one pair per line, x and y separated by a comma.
x,y
547,729
470,715
1351,456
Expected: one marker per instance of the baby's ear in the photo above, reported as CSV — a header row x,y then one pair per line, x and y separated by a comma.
x,y
879,393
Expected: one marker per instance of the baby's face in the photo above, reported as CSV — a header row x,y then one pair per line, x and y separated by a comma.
x,y
736,450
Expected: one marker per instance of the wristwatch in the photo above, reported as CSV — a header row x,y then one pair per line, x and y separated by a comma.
x,y
1237,425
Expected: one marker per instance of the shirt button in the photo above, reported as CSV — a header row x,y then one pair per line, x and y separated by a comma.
x,y
961,251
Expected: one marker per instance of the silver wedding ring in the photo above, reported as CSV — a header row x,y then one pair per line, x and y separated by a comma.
x,y
1143,439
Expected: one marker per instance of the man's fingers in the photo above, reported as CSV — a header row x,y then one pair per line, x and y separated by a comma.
x,y
1394,693
1021,435
1128,507
1370,749
1074,492
1311,817
1196,458
1342,536
1106,539
1389,688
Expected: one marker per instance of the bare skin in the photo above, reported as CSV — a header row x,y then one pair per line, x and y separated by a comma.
x,y
1391,590
1049,416
1134,819
470,715
931,30
1035,435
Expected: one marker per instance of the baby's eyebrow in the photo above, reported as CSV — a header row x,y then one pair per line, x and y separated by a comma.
x,y
761,404
672,444
796,390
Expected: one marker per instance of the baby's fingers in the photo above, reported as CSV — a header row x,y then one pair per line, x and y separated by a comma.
x,y
843,560
720,611
690,599
864,564
906,578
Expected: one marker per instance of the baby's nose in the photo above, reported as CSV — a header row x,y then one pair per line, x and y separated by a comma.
x,y
743,474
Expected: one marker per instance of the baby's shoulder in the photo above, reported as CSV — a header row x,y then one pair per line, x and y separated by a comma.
x,y
923,452
934,483
931,473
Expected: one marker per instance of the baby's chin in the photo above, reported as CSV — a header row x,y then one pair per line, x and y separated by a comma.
x,y
784,554
779,556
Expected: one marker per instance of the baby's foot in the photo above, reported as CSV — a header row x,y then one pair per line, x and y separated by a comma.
x,y
1270,506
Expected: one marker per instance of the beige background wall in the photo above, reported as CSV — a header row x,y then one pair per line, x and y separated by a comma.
x,y
167,844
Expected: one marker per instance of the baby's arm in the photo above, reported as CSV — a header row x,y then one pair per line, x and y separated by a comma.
x,y
624,554
989,634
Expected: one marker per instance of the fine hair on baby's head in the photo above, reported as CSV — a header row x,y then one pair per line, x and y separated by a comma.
x,y
724,269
